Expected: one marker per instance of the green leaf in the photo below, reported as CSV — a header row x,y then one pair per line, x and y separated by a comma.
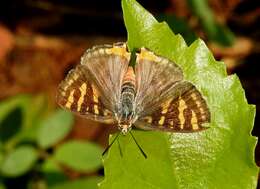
x,y
87,183
12,112
1,158
55,128
12,103
11,125
219,157
36,184
2,186
19,161
19,117
80,156
53,173
36,109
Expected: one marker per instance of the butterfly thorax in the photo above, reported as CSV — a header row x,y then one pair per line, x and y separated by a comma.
x,y
126,110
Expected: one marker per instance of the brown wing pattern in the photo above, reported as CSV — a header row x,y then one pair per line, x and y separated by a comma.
x,y
164,100
78,94
156,77
92,89
107,65
186,113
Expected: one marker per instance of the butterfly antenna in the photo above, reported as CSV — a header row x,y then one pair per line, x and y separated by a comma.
x,y
105,151
138,145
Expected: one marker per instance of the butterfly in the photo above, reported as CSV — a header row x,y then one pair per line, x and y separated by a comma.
x,y
148,92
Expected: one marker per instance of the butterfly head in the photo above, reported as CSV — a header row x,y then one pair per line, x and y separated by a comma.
x,y
124,128
125,122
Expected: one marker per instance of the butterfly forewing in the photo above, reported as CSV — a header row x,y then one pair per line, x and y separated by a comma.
x,y
92,89
79,94
165,101
107,65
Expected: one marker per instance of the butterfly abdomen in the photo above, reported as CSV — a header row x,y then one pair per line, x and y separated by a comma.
x,y
128,92
128,89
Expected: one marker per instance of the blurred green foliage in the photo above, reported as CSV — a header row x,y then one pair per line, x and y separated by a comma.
x,y
88,160
19,161
52,130
215,31
178,25
32,147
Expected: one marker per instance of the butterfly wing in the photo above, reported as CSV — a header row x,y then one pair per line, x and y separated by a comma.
x,y
186,111
155,77
92,89
107,65
164,100
80,95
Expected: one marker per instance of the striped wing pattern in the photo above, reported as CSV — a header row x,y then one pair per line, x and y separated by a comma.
x,y
185,113
156,78
92,89
79,94
166,101
107,65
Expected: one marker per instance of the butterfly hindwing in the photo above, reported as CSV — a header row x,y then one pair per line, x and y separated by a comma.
x,y
185,113
79,94
164,100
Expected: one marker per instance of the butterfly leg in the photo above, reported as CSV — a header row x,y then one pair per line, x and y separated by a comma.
x,y
141,150
120,149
